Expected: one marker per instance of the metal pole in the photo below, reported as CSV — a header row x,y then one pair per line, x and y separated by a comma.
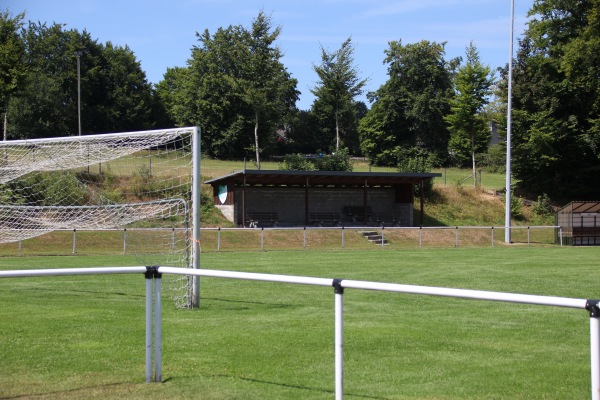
x,y
456,237
219,239
149,284
124,240
74,241
157,328
262,238
507,238
420,237
592,307
492,236
342,237
304,237
339,339
196,215
78,53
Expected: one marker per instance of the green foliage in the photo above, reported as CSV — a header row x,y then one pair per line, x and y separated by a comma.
x,y
13,68
235,88
335,91
338,161
416,160
516,206
556,101
115,95
296,162
543,206
47,189
408,110
494,160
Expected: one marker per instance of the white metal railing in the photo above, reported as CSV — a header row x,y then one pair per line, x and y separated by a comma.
x,y
153,290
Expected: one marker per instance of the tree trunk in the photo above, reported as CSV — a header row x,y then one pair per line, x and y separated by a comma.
x,y
337,131
473,158
256,140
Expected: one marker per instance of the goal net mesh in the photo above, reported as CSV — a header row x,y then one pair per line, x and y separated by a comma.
x,y
138,181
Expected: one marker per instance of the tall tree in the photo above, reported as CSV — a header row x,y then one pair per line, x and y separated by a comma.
x,y
408,109
236,88
12,60
115,95
556,101
469,133
338,83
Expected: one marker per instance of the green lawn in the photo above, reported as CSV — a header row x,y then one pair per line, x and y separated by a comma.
x,y
83,337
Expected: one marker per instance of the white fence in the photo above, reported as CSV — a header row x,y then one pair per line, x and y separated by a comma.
x,y
154,315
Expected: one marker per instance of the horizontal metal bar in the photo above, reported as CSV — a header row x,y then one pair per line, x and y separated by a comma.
x,y
467,294
305,280
70,271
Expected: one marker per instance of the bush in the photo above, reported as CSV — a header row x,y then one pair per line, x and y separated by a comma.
x,y
416,160
543,205
339,161
296,162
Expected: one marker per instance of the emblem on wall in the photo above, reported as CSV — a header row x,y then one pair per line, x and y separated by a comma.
x,y
222,193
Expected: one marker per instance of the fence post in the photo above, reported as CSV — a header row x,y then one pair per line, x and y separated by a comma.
x,y
124,240
172,238
528,236
593,307
342,237
305,238
219,239
339,339
74,241
561,236
20,247
456,237
420,237
262,238
492,237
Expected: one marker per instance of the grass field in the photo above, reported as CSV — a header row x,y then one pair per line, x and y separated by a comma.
x,y
83,337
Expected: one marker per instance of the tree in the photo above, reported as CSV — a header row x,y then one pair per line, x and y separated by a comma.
x,y
556,101
469,134
338,83
235,84
408,109
13,69
115,95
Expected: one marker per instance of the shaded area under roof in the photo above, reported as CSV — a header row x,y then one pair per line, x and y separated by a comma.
x,y
325,178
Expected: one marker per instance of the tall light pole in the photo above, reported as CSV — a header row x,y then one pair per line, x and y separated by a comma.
x,y
78,53
507,238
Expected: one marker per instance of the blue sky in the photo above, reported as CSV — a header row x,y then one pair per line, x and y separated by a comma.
x,y
162,33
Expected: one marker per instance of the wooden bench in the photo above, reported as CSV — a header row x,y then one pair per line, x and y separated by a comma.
x,y
324,219
262,219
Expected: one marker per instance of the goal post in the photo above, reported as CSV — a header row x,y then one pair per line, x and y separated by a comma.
x,y
143,179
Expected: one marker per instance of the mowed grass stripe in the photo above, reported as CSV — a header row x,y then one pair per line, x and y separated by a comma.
x,y
83,337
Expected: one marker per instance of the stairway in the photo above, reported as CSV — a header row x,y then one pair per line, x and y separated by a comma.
x,y
375,237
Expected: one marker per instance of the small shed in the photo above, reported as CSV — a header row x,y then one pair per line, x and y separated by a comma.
x,y
580,222
269,198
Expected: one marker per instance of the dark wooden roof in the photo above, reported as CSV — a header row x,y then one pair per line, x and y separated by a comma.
x,y
320,178
582,207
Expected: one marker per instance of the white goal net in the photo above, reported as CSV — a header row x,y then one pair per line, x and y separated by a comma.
x,y
138,181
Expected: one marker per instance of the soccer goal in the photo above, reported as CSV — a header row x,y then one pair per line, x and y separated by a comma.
x,y
146,182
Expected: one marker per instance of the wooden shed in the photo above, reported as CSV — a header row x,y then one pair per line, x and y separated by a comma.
x,y
268,198
580,222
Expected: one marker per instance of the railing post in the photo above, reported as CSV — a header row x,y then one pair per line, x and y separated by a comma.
x,y
262,238
382,236
420,237
339,339
528,236
124,240
593,307
74,241
172,238
219,239
149,284
561,235
342,237
20,247
492,237
157,326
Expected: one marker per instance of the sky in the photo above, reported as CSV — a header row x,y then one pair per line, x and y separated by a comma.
x,y
162,33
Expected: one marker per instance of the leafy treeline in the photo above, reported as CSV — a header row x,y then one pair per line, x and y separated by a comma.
x,y
431,110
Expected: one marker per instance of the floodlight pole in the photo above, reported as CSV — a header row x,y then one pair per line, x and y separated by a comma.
x,y
195,300
507,236
78,54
